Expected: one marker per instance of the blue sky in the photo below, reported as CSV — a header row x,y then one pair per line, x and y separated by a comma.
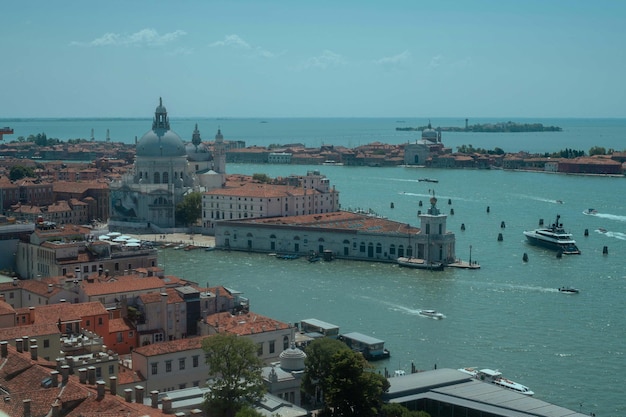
x,y
436,58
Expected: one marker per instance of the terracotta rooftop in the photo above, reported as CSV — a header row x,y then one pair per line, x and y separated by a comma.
x,y
31,330
258,190
172,346
339,220
244,324
123,284
66,312
21,379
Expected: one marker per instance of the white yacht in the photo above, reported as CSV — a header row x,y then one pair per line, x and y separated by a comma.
x,y
553,237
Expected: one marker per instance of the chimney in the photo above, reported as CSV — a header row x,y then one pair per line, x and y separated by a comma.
x,y
82,375
113,384
19,343
32,341
65,373
56,408
49,288
26,404
154,396
139,394
33,352
91,374
4,348
128,395
55,378
100,386
167,405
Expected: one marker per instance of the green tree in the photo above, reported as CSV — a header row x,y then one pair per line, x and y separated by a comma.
x,y
261,178
18,172
236,374
319,356
398,410
597,150
189,210
353,389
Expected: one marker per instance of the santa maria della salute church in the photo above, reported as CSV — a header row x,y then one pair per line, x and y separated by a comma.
x,y
165,170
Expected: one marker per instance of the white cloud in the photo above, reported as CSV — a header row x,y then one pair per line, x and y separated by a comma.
x,y
145,37
394,60
231,40
436,61
235,41
326,59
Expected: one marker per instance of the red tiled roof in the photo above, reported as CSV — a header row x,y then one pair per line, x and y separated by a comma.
x,y
123,284
244,324
172,346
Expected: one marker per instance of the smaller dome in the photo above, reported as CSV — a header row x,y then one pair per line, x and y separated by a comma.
x,y
292,359
197,154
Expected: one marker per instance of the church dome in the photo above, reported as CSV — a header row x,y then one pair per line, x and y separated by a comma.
x,y
196,150
430,133
160,141
292,359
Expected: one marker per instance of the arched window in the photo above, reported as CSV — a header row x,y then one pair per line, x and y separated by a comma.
x,y
166,178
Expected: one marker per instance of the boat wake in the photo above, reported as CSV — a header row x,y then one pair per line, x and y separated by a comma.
x,y
615,235
608,216
396,307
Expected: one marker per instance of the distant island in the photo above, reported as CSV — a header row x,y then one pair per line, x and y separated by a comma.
x,y
502,127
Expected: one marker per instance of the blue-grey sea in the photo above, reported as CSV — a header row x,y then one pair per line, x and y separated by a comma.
x,y
569,349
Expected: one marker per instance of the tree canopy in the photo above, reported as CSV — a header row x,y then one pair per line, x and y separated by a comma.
x,y
18,172
189,210
235,369
343,379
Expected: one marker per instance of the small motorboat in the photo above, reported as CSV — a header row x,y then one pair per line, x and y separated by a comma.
x,y
433,314
569,290
590,211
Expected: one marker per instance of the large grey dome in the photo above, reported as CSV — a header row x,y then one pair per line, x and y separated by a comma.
x,y
160,141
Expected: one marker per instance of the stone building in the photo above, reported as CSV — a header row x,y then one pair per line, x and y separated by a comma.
x,y
343,234
162,175
418,153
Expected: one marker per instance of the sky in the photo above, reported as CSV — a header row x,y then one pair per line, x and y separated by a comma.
x,y
265,58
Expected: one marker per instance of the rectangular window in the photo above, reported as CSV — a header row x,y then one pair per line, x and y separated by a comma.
x,y
168,366
181,364
111,369
155,368
46,343
120,337
260,349
272,346
195,360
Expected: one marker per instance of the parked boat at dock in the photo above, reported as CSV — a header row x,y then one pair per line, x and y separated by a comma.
x,y
496,378
553,237
419,264
372,348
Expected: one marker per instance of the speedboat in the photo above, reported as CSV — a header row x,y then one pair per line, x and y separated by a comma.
x,y
590,211
553,237
428,180
569,290
433,314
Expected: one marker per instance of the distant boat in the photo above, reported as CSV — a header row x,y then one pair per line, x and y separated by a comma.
x,y
568,290
428,180
433,314
590,211
330,162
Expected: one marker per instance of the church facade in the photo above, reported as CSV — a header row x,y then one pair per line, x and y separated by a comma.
x,y
165,170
